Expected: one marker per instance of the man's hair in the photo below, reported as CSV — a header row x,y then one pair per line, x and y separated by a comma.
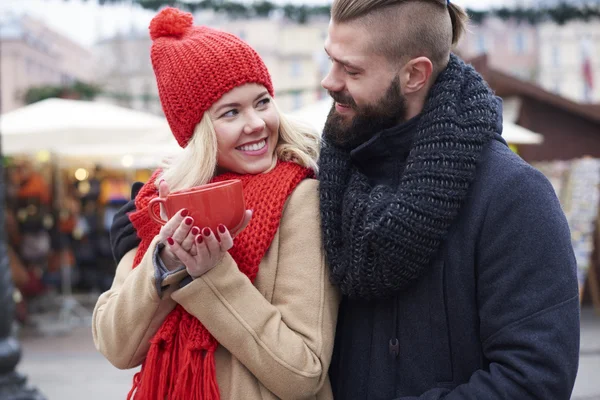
x,y
405,29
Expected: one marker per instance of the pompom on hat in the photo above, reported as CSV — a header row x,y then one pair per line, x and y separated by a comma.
x,y
195,66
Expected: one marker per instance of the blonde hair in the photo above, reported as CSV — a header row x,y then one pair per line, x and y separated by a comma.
x,y
197,164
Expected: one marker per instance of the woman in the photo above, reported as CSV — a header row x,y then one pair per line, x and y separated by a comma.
x,y
254,320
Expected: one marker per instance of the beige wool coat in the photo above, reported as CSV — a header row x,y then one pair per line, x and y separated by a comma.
x,y
276,335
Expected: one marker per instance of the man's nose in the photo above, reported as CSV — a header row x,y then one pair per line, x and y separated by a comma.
x,y
331,82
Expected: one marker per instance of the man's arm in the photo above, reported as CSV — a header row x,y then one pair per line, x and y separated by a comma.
x,y
527,297
123,236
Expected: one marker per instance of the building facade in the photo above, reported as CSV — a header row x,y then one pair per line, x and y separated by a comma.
x,y
569,62
125,72
512,47
34,55
292,52
570,129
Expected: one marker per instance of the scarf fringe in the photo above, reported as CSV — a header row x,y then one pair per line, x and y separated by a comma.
x,y
136,381
156,365
210,385
184,388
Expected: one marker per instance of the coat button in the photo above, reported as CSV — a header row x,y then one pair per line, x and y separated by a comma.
x,y
394,347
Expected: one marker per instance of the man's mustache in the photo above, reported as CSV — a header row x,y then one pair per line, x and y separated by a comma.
x,y
342,98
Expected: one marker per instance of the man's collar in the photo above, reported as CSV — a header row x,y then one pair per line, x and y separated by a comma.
x,y
393,141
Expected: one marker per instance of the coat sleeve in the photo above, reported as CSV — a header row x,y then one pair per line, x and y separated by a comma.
x,y
527,298
286,343
123,236
128,314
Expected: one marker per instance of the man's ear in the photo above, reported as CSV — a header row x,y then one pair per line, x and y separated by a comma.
x,y
416,74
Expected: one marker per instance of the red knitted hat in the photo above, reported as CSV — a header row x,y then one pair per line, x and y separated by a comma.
x,y
195,66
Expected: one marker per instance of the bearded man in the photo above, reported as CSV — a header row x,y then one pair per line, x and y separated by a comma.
x,y
452,253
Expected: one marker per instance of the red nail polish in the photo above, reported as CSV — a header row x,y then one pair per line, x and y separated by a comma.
x,y
171,241
195,231
221,228
206,232
184,213
188,221
199,240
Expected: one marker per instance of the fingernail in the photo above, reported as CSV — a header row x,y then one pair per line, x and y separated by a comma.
x,y
206,232
184,213
161,181
199,239
221,228
188,221
171,241
195,230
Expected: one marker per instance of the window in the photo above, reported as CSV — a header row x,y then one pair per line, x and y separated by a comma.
x,y
146,97
520,43
481,44
557,87
297,100
29,66
587,69
296,69
555,56
66,79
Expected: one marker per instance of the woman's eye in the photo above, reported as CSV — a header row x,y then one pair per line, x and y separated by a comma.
x,y
230,113
351,73
264,101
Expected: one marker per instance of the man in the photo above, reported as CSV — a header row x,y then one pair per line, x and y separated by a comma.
x,y
452,253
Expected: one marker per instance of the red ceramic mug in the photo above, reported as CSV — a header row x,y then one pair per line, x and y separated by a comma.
x,y
210,205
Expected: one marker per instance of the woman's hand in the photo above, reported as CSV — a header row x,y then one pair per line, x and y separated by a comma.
x,y
180,226
207,250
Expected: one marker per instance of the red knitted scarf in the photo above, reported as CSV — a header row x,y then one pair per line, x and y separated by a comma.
x,y
180,363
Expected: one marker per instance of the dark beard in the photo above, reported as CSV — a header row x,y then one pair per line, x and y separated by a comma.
x,y
370,119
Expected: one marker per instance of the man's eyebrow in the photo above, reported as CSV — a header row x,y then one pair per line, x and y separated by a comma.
x,y
343,62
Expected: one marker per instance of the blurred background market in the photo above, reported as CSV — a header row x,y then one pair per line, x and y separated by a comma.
x,y
80,121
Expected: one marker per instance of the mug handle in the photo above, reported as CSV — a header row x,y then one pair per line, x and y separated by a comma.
x,y
151,209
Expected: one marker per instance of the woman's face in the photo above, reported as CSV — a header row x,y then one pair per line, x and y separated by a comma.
x,y
247,128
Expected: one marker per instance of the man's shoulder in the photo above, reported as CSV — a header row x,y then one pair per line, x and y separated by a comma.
x,y
498,159
503,179
500,168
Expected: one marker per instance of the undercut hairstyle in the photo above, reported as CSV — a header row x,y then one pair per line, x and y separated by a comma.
x,y
406,29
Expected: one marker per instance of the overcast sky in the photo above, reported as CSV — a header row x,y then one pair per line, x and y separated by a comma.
x,y
85,21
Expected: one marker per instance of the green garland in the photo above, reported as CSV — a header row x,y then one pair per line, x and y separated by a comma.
x,y
561,13
78,90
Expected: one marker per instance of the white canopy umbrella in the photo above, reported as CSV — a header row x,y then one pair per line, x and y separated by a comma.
x,y
316,115
123,155
56,125
516,134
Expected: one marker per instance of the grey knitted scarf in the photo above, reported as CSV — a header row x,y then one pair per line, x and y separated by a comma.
x,y
379,239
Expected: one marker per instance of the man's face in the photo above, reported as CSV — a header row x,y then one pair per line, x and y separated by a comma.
x,y
363,84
